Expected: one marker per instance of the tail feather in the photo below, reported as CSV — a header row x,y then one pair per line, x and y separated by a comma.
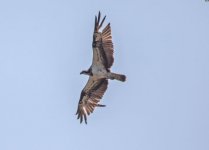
x,y
119,77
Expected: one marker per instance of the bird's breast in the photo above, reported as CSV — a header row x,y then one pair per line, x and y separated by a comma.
x,y
98,70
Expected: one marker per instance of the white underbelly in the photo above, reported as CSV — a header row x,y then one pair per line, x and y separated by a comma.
x,y
99,71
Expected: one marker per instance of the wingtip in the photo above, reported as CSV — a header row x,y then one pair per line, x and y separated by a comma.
x,y
81,121
99,15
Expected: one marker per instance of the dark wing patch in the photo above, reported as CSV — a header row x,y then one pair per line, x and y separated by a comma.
x,y
90,97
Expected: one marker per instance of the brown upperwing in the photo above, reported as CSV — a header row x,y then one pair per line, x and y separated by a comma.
x,y
102,44
90,96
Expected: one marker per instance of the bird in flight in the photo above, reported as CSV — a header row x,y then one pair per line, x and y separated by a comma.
x,y
99,71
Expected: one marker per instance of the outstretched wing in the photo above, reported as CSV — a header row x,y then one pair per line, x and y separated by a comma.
x,y
90,96
102,44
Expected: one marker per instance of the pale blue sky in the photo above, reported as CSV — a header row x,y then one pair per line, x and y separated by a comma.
x,y
162,46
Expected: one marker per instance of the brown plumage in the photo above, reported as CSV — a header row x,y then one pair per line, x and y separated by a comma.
x,y
90,96
99,72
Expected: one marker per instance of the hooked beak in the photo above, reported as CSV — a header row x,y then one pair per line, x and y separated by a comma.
x,y
81,72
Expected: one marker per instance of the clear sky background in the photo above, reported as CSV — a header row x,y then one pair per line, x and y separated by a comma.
x,y
162,46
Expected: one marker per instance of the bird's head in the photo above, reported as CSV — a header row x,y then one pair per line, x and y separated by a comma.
x,y
85,72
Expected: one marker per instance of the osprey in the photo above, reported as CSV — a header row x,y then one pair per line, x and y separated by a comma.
x,y
99,71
